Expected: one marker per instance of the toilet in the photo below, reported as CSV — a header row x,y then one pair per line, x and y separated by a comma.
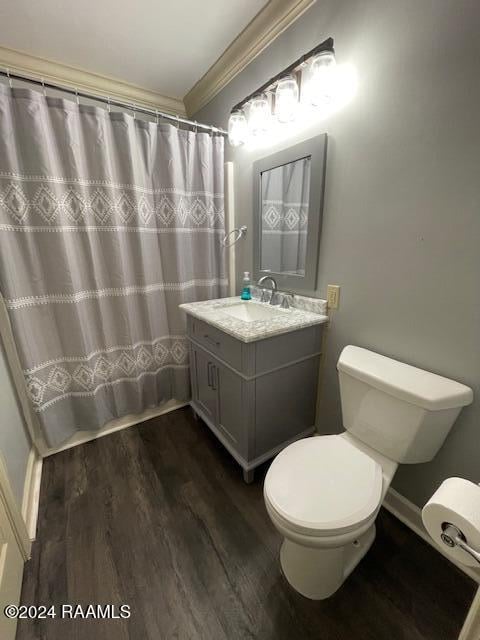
x,y
323,493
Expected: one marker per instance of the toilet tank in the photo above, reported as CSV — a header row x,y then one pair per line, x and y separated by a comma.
x,y
403,412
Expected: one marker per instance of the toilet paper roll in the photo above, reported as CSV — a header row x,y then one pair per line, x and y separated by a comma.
x,y
456,501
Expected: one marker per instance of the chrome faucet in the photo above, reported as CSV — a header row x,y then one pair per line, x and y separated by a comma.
x,y
273,282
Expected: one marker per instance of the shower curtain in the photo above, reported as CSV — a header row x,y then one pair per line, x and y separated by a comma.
x,y
107,224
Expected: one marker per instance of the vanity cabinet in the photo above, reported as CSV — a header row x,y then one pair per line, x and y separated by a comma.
x,y
257,396
217,395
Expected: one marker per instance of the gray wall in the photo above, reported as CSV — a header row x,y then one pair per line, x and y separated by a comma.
x,y
401,228
14,441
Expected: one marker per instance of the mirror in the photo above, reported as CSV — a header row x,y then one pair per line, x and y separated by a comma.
x,y
288,198
284,222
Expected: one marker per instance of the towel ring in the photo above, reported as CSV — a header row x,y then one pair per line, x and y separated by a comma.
x,y
239,233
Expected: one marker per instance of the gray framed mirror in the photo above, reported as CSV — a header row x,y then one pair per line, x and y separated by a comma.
x,y
288,191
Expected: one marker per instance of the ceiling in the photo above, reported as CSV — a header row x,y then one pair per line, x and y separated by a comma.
x,y
161,45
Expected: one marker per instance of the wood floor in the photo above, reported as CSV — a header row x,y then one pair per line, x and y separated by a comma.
x,y
158,517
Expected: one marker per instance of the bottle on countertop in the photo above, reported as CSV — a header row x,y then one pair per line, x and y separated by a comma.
x,y
246,295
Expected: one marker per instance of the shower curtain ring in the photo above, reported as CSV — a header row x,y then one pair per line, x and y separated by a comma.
x,y
134,111
156,116
76,96
10,82
196,126
108,103
178,121
44,90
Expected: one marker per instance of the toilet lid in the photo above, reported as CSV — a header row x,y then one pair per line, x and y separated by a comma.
x,y
324,485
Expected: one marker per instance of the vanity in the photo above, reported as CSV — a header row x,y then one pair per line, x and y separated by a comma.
x,y
254,371
254,365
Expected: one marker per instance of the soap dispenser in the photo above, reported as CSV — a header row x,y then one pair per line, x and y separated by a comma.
x,y
246,295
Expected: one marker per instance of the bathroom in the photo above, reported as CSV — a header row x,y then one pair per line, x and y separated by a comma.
x,y
187,452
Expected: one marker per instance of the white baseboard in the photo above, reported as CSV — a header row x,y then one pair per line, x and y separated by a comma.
x,y
31,492
411,515
116,425
471,626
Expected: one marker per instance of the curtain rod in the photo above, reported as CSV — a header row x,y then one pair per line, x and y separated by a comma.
x,y
114,103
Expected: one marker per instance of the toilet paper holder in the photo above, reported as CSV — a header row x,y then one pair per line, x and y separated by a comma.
x,y
452,536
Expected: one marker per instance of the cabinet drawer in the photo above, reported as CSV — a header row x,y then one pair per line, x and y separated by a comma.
x,y
217,342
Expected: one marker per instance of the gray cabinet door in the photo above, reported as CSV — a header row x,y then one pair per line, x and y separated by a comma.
x,y
204,391
231,419
285,404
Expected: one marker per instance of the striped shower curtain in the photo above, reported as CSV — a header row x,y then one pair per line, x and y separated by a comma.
x,y
107,223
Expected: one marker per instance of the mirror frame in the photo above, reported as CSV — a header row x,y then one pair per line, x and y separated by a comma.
x,y
316,149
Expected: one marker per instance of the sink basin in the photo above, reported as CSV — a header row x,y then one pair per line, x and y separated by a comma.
x,y
251,312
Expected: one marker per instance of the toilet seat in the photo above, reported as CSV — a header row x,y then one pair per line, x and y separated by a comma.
x,y
324,486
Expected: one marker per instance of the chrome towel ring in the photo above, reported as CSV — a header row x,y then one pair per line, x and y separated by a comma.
x,y
239,233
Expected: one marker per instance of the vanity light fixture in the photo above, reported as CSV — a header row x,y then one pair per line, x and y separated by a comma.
x,y
286,99
237,128
322,81
259,115
278,100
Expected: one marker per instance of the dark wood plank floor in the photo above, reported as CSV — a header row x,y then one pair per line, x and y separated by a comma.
x,y
158,517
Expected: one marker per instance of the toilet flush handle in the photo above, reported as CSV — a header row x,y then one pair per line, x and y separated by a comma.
x,y
453,537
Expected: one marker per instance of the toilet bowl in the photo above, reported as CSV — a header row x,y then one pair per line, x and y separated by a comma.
x,y
323,493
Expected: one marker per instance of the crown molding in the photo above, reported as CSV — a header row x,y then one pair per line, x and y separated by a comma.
x,y
270,22
75,78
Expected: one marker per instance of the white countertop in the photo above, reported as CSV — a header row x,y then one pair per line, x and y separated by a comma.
x,y
284,320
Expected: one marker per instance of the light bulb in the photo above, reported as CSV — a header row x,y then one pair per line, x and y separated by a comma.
x,y
237,128
286,99
259,116
323,78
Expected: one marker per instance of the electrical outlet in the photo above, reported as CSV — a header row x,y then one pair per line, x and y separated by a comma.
x,y
333,296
